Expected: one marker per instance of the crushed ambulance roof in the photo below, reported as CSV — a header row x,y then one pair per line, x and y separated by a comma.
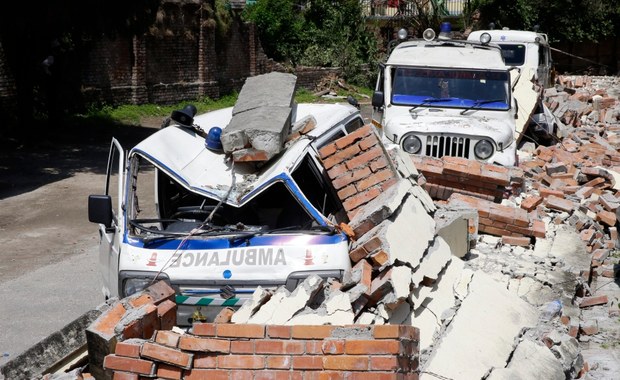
x,y
433,54
182,154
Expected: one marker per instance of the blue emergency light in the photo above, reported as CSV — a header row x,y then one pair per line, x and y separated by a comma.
x,y
214,140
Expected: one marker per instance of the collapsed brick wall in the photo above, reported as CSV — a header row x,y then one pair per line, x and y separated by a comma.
x,y
358,167
448,175
233,351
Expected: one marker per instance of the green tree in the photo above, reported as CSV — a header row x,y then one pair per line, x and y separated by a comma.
x,y
564,20
316,33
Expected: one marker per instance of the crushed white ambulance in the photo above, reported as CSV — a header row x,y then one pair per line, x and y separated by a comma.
x,y
217,229
442,97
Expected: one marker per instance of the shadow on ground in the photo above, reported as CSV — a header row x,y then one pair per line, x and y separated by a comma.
x,y
30,159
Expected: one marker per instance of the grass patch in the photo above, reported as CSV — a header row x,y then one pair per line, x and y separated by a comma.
x,y
134,114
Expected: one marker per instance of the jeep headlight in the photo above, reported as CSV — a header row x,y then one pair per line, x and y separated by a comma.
x,y
411,144
483,149
134,282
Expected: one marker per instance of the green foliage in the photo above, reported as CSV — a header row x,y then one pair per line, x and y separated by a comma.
x,y
566,20
316,33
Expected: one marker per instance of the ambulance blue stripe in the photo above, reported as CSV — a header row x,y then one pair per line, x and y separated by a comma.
x,y
224,243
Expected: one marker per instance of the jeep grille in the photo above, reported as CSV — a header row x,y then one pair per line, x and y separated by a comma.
x,y
439,146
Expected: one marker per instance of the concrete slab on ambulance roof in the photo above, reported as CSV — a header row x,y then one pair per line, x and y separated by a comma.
x,y
272,89
444,54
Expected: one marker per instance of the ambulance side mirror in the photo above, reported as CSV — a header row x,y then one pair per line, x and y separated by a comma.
x,y
100,209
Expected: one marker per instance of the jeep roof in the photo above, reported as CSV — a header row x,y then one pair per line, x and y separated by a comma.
x,y
499,36
447,54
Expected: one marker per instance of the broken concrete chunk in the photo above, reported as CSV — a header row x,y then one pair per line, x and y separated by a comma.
x,y
530,361
249,307
482,332
274,89
335,310
434,261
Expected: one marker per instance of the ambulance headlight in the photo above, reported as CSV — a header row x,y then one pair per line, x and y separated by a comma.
x,y
483,149
411,144
134,282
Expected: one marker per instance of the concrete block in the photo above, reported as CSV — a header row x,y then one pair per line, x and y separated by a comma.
x,y
530,361
264,129
458,226
275,89
249,307
482,332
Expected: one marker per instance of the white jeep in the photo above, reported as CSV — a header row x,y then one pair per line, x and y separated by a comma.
x,y
442,97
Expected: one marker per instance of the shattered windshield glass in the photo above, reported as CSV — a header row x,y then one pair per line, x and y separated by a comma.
x,y
159,207
451,88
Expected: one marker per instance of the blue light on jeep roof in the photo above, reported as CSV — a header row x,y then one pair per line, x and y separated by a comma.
x,y
213,140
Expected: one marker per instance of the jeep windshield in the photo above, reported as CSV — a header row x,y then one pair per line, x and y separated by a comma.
x,y
451,88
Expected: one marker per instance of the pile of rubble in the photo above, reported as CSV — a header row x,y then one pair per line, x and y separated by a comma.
x,y
496,273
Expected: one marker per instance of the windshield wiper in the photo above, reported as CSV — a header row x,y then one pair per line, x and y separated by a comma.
x,y
478,103
429,101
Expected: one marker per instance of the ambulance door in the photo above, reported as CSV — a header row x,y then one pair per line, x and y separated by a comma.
x,y
112,236
378,102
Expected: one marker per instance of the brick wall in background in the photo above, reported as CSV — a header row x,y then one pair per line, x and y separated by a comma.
x,y
243,351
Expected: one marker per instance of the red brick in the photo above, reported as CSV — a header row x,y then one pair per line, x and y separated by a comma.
x,y
140,299
379,164
124,376
361,198
278,362
606,217
346,362
205,360
396,332
242,346
365,270
133,329
347,192
195,343
250,155
328,150
337,170
560,204
333,346
165,371
341,156
150,321
276,331
546,192
374,179
167,338
516,240
384,363
202,374
167,314
265,375
314,347
354,137
379,258
277,346
121,363
311,332
167,355
594,301
104,325
358,254
231,330
308,362
364,158
203,329
129,348
241,361
353,176
372,347
531,202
